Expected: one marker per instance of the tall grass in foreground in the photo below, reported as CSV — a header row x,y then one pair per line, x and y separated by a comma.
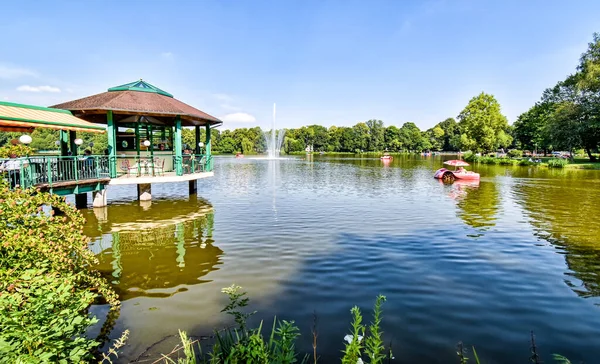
x,y
243,345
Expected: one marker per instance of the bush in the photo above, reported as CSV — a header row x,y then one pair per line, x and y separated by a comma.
x,y
525,162
44,279
515,153
20,150
505,161
557,163
469,156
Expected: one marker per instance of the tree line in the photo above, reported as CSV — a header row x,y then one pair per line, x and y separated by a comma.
x,y
480,127
567,116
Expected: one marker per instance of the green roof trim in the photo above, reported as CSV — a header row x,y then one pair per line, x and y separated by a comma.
x,y
95,127
141,86
23,106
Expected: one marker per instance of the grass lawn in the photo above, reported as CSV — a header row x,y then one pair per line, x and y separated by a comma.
x,y
578,163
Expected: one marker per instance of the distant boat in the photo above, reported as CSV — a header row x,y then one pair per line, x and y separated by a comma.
x,y
386,157
239,155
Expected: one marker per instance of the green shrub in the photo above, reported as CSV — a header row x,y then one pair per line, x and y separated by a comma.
x,y
515,153
557,163
44,279
19,150
505,161
525,162
469,156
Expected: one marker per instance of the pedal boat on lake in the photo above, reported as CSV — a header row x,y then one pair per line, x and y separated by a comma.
x,y
239,155
386,157
447,175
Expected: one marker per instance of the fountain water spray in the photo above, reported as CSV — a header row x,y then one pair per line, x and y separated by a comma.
x,y
275,139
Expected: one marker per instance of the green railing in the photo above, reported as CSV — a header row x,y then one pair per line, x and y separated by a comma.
x,y
51,170
195,163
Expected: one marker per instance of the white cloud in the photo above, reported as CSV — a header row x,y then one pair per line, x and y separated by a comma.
x,y
27,88
7,72
238,117
167,55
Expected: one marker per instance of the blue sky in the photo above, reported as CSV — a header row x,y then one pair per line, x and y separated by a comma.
x,y
326,62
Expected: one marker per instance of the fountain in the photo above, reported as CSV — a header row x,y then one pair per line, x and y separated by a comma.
x,y
274,139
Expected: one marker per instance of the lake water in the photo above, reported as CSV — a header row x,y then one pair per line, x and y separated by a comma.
x,y
480,264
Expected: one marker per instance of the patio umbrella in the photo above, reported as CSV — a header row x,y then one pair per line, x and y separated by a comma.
x,y
456,162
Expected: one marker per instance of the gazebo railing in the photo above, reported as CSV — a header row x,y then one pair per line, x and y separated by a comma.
x,y
195,163
52,170
49,171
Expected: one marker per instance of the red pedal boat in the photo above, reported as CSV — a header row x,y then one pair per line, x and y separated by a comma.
x,y
459,173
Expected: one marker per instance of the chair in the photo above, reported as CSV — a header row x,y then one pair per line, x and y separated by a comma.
x,y
125,166
186,165
159,166
202,164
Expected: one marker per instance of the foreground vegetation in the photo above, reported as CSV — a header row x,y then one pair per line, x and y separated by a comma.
x,y
46,286
240,344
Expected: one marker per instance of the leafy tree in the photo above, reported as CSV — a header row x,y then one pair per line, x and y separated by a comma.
x,y
451,134
411,137
530,129
228,145
361,136
483,127
247,146
375,140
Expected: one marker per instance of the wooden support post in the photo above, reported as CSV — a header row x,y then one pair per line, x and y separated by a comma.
x,y
209,164
144,191
178,147
100,198
63,137
81,200
193,186
112,144
197,148
74,147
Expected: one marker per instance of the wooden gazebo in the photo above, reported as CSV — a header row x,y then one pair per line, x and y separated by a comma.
x,y
145,121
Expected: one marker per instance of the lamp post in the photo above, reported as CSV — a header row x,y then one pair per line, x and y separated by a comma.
x,y
25,139
201,145
78,142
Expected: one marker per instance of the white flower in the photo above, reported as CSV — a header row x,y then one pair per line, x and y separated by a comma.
x,y
349,338
233,289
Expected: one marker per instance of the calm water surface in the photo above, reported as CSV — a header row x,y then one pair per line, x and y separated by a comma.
x,y
484,264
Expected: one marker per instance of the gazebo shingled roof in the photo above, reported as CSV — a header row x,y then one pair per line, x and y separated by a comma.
x,y
137,98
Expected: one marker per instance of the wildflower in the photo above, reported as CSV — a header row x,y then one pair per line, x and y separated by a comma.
x,y
349,338
233,289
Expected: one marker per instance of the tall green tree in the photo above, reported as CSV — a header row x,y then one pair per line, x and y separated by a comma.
x,y
483,128
530,129
376,135
451,134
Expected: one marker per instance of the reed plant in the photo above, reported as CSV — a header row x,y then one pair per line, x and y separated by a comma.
x,y
557,163
243,345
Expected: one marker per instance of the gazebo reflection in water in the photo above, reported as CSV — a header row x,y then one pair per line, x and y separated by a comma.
x,y
143,254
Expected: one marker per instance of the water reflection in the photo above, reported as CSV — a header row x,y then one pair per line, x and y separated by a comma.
x,y
564,212
477,203
153,249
